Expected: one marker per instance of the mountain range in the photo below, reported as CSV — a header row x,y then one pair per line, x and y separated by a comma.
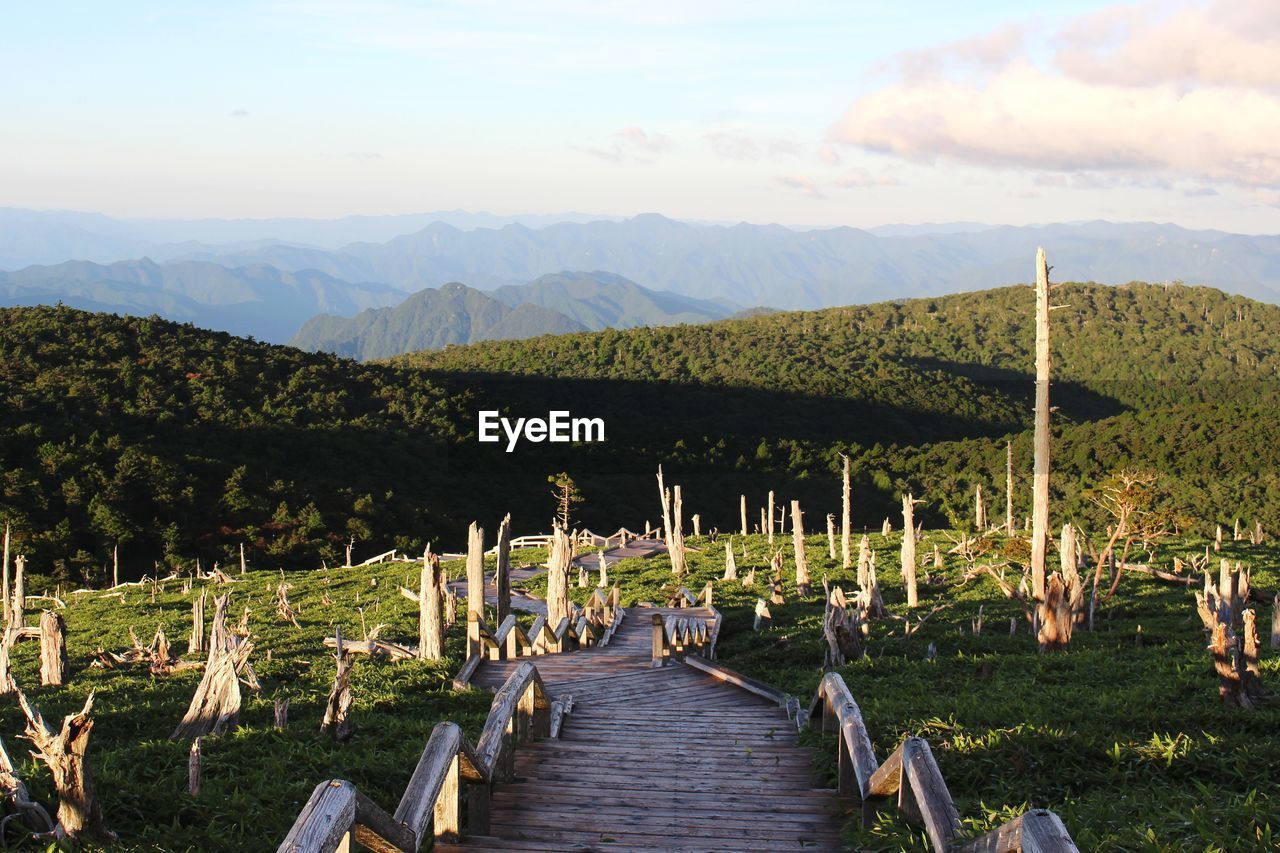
x,y
267,278
457,314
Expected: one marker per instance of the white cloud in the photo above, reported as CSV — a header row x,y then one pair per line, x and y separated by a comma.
x,y
632,144
739,145
802,184
1135,95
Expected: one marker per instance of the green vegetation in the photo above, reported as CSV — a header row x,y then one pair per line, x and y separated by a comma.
x,y
1126,740
255,779
178,444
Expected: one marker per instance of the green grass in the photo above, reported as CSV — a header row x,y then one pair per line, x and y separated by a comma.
x,y
255,779
1128,744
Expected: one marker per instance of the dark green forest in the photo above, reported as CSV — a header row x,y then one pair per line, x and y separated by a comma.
x,y
178,444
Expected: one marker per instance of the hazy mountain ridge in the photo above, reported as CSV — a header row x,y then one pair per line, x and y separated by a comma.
x,y
773,265
429,319
254,300
457,314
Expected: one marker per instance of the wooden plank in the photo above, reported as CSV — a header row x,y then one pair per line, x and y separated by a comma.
x,y
887,778
932,799
728,676
324,821
379,831
1043,832
437,759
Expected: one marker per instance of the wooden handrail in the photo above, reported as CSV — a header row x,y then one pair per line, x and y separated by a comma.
x,y
912,774
521,711
593,625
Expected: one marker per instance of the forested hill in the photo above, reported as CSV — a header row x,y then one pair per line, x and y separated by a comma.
x,y
1127,343
178,444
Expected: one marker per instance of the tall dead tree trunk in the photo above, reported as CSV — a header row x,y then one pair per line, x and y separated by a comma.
x,y
475,570
742,506
665,497
18,598
697,525
1040,482
1008,489
64,753
1069,555
771,517
831,536
979,509
8,639
864,561
430,613
502,572
196,644
53,649
115,566
846,518
676,544
909,549
558,579
5,610
243,564
797,544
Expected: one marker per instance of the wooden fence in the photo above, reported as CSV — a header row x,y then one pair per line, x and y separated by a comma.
x,y
674,637
449,769
912,776
591,625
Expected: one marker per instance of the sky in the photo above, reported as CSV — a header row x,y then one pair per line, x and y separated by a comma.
x,y
805,113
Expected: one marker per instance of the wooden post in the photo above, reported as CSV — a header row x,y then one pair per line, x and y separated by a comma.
x,y
797,544
502,573
770,517
831,536
659,646
909,548
475,569
1040,482
742,506
53,649
430,617
846,521
1008,488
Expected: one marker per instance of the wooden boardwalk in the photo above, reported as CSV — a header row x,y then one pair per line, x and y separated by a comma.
x,y
666,759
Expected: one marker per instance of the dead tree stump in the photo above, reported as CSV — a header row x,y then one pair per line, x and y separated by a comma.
x,y
53,649
79,812
216,702
32,814
803,580
430,624
337,710
730,564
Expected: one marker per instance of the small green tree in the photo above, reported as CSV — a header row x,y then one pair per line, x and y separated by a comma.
x,y
567,497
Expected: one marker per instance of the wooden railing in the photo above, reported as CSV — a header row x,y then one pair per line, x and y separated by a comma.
x,y
431,806
591,625
675,637
912,775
